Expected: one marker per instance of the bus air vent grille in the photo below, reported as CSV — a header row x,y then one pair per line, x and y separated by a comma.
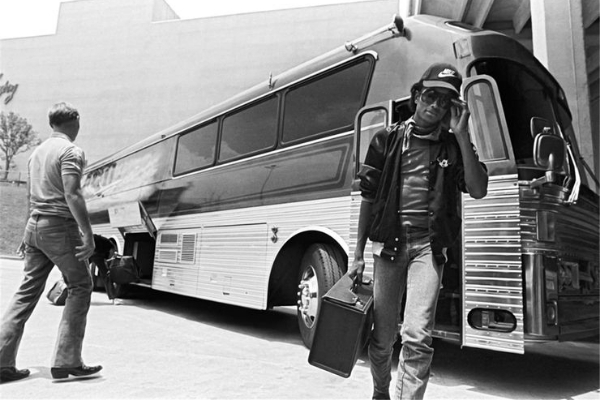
x,y
188,248
167,255
168,238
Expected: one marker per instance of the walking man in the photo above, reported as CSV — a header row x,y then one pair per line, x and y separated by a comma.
x,y
59,233
410,184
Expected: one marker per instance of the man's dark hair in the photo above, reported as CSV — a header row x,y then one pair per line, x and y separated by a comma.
x,y
61,113
414,91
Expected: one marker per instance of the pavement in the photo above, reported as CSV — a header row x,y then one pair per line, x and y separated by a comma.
x,y
157,345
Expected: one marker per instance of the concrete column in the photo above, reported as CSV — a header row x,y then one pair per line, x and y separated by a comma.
x,y
558,42
406,8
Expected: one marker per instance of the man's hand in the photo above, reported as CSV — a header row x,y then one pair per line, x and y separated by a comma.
x,y
459,117
21,249
86,250
357,268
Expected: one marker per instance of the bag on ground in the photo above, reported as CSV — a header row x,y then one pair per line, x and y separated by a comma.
x,y
123,269
58,293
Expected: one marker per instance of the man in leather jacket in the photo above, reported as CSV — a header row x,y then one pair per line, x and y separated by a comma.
x,y
410,182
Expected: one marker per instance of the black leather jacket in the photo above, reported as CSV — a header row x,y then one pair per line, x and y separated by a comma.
x,y
380,177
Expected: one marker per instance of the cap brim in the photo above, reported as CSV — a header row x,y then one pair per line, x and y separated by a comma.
x,y
440,84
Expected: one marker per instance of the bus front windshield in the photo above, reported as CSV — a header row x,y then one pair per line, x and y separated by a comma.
x,y
523,96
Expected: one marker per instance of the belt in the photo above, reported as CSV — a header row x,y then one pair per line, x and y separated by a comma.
x,y
37,217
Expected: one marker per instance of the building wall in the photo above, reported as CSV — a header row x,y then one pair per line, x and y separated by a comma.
x,y
592,50
133,68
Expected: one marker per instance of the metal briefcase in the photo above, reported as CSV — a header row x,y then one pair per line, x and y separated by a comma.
x,y
343,326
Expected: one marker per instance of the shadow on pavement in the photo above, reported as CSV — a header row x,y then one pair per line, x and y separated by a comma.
x,y
279,324
546,371
514,376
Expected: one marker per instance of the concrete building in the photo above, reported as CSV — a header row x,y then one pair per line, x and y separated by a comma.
x,y
133,67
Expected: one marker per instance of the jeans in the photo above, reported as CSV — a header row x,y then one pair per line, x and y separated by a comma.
x,y
415,271
109,285
49,241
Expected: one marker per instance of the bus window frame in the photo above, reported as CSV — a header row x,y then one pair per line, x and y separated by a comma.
x,y
370,57
188,131
499,166
367,57
385,106
278,97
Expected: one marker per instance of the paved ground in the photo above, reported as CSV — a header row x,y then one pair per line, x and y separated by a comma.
x,y
161,346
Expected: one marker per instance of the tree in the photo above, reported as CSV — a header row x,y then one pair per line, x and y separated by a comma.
x,y
16,136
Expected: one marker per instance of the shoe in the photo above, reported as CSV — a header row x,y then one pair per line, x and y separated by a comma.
x,y
84,370
380,396
9,374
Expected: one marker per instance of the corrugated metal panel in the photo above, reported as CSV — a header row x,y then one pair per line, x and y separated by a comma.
x,y
234,249
493,277
354,216
576,227
573,239
232,264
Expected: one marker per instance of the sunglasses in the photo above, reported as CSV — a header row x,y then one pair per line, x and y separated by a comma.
x,y
430,96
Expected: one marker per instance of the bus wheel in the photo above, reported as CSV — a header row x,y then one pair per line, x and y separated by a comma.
x,y
322,266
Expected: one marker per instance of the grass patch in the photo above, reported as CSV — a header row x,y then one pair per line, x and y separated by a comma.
x,y
13,216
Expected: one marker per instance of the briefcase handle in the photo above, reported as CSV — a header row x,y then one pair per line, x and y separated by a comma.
x,y
356,283
354,288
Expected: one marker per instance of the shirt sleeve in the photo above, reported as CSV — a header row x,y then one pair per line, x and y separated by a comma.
x,y
460,171
370,171
72,161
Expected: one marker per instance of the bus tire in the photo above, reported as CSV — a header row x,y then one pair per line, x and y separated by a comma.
x,y
322,265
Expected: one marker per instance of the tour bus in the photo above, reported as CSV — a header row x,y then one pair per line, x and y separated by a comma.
x,y
254,202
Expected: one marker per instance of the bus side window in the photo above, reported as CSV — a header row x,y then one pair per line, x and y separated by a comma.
x,y
326,105
250,130
196,149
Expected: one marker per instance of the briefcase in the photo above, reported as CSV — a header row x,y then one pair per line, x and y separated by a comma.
x,y
343,326
58,293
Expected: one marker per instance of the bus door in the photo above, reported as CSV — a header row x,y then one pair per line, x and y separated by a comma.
x,y
129,217
492,278
369,120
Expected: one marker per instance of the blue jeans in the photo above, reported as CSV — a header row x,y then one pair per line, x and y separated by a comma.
x,y
49,241
415,271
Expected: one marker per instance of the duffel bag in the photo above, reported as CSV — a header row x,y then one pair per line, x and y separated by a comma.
x,y
123,269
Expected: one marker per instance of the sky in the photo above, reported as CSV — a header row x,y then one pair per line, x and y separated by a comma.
x,y
22,18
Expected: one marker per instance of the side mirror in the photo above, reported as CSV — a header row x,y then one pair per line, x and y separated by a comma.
x,y
540,125
549,152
